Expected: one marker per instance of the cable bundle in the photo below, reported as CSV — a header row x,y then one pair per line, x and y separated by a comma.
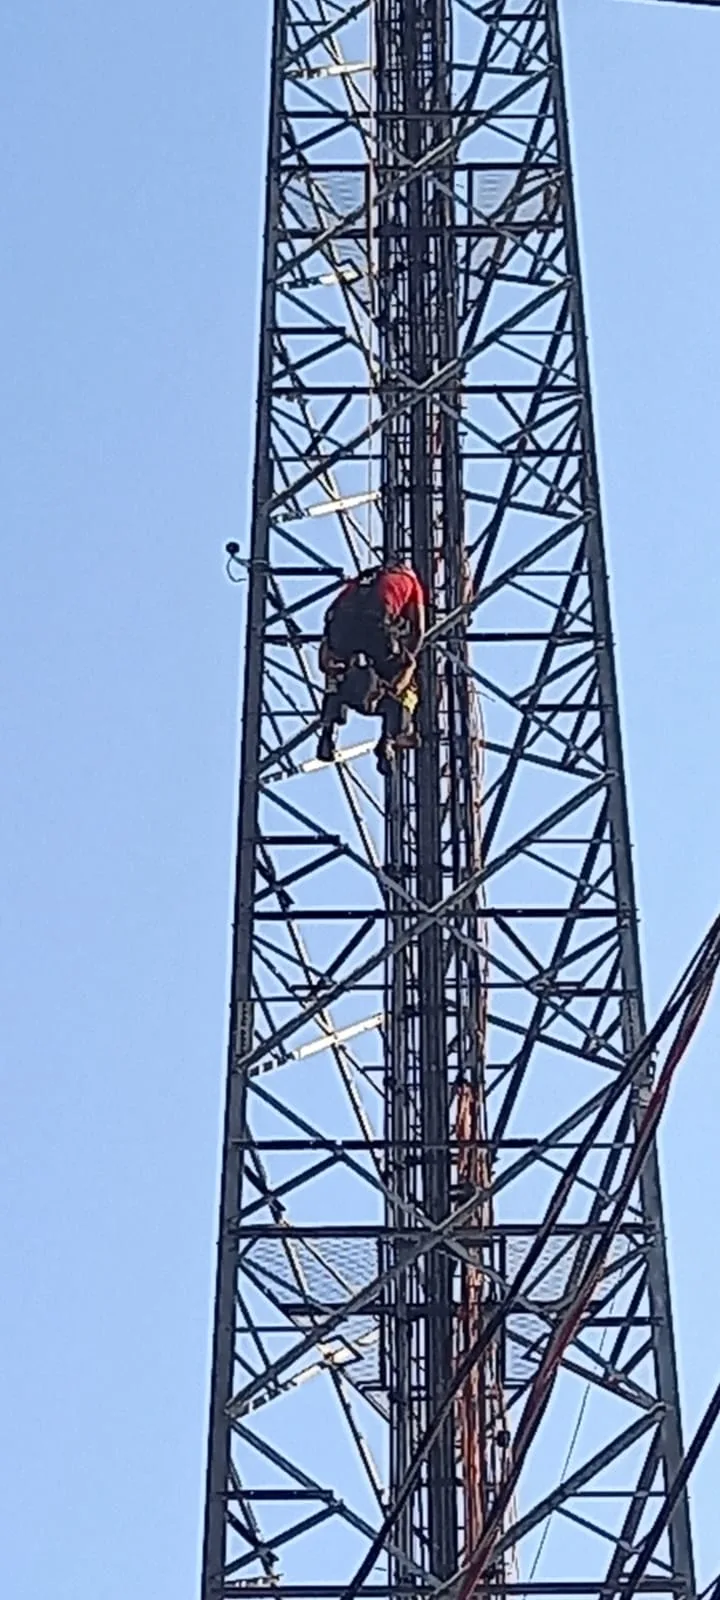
x,y
683,1011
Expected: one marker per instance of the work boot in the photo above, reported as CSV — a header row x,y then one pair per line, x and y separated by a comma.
x,y
408,741
326,746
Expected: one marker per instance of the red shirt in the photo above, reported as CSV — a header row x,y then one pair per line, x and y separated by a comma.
x,y
398,591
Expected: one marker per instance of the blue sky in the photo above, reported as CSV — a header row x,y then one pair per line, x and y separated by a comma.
x,y
133,143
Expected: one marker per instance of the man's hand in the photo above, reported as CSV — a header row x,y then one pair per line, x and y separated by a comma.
x,y
406,676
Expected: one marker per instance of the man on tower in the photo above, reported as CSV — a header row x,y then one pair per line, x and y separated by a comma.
x,y
378,616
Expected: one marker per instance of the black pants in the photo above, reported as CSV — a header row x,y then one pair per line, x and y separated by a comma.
x,y
361,626
394,719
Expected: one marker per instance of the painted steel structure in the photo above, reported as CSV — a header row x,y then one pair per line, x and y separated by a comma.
x,y
436,981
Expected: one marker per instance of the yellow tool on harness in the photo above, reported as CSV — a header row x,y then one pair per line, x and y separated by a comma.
x,y
409,698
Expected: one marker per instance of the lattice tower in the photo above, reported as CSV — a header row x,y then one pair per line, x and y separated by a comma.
x,y
433,978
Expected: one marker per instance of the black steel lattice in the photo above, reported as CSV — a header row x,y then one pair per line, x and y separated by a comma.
x,y
434,981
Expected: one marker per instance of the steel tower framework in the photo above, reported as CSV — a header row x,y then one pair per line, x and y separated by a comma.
x,y
436,983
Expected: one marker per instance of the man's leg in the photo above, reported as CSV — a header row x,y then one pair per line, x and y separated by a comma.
x,y
391,713
399,731
326,746
346,638
332,712
408,737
